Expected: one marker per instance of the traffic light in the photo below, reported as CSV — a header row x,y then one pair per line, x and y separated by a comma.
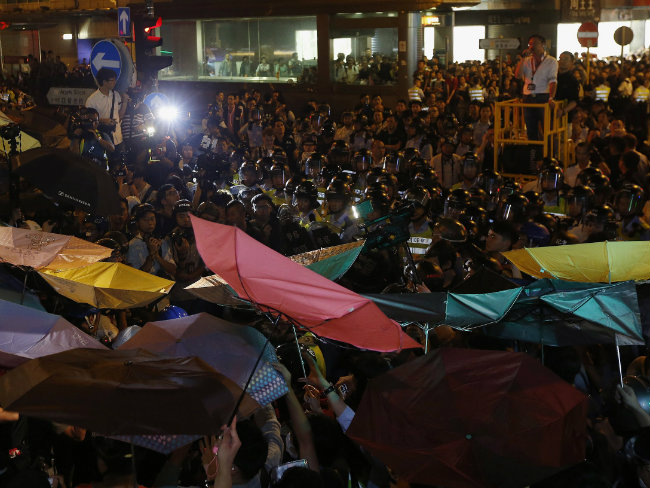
x,y
147,61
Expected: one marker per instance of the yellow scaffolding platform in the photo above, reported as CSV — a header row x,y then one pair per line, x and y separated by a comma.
x,y
510,130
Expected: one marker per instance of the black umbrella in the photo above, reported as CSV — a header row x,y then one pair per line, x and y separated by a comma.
x,y
69,178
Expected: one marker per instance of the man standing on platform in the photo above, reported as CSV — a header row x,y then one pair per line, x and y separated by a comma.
x,y
538,70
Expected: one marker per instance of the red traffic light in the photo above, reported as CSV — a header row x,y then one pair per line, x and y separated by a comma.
x,y
4,25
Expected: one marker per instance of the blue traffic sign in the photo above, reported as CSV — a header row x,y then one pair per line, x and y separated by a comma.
x,y
124,21
105,55
156,100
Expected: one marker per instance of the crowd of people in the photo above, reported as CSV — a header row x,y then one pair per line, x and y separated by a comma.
x,y
417,180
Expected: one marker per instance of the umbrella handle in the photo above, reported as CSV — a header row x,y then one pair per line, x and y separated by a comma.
x,y
302,361
250,377
618,357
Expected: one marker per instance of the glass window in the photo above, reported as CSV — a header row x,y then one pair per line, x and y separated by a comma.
x,y
270,49
365,56
466,43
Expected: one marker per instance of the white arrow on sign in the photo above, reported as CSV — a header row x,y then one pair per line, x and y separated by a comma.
x,y
99,62
124,21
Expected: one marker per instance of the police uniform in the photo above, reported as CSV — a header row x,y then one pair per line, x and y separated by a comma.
x,y
420,239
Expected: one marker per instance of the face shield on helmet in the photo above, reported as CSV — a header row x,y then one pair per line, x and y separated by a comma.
x,y
512,208
551,179
362,161
450,229
470,167
629,200
280,174
314,165
579,200
457,201
419,196
249,174
490,182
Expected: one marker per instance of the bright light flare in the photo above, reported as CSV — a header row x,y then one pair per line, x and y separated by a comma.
x,y
168,113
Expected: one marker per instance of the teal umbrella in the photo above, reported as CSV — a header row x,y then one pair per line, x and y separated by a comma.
x,y
553,312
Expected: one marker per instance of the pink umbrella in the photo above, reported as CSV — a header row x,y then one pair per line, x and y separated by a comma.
x,y
36,249
26,333
278,285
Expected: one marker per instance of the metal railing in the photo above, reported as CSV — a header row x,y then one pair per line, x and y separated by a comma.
x,y
510,130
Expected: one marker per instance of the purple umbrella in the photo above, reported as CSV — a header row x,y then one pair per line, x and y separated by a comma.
x,y
27,333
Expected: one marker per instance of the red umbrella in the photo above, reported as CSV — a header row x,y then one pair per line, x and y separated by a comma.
x,y
277,284
463,418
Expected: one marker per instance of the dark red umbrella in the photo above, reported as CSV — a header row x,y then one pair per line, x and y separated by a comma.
x,y
462,418
123,392
276,284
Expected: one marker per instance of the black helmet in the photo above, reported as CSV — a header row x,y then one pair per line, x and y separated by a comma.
x,y
629,200
182,206
328,172
394,162
416,165
477,197
339,153
471,166
375,188
376,175
292,184
362,160
450,230
141,210
551,178
490,181
426,177
410,153
307,190
281,170
535,203
250,167
600,215
338,189
586,175
280,155
456,202
418,195
536,234
315,164
579,199
512,208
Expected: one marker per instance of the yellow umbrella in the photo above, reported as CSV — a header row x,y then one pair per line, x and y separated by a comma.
x,y
108,285
596,262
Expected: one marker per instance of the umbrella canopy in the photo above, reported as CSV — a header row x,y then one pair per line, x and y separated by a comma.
x,y
462,418
108,285
26,333
25,141
552,312
595,262
330,262
36,249
214,289
229,348
277,284
412,307
123,392
69,178
484,281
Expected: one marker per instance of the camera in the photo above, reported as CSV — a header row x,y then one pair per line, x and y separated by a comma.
x,y
10,131
77,121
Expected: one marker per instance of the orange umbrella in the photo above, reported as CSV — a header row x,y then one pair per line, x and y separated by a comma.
x,y
36,249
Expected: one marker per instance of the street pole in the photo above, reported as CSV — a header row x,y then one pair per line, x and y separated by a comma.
x,y
588,60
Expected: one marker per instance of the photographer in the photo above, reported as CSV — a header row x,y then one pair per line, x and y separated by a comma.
x,y
110,105
87,140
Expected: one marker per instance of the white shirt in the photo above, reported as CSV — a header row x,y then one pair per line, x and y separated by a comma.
x,y
102,103
541,77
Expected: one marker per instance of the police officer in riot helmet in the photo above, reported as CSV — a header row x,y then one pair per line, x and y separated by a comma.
x,y
337,198
314,165
552,181
594,224
578,201
628,204
457,201
470,170
512,209
339,154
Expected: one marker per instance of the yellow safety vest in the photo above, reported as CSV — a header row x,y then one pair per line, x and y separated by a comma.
x,y
414,94
419,242
476,94
602,92
641,94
